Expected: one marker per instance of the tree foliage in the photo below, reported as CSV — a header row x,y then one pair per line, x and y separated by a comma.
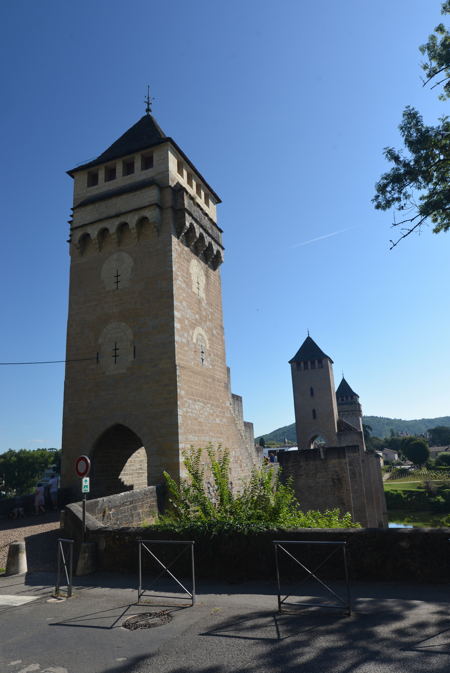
x,y
416,450
440,435
206,501
21,470
418,183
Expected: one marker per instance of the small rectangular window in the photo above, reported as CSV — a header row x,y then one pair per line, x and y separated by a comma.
x,y
199,189
146,161
206,198
128,167
314,415
110,173
189,179
92,178
320,364
306,365
313,364
180,168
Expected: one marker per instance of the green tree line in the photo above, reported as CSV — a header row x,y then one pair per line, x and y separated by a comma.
x,y
21,470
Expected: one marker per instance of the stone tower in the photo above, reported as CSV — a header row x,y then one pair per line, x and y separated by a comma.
x,y
332,467
314,396
146,374
349,408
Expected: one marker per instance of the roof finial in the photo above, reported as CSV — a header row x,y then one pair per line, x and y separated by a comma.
x,y
308,331
343,374
148,102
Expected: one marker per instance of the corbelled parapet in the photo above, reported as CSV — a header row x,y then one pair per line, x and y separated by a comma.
x,y
199,232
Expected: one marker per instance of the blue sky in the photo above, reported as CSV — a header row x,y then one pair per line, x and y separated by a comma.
x,y
285,107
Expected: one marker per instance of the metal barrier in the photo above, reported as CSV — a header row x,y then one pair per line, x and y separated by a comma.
x,y
342,602
68,567
165,569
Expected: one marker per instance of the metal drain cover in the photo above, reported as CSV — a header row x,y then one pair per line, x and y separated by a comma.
x,y
147,620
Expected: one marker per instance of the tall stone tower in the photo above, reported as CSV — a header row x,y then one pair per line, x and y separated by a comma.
x,y
332,467
349,407
146,375
314,396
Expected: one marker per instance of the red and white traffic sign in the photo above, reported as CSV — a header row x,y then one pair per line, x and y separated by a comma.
x,y
82,466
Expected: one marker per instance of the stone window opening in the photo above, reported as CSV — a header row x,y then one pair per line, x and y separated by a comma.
x,y
128,167
319,364
206,199
314,415
313,364
146,161
306,365
189,179
115,352
311,391
198,189
92,178
110,173
180,168
200,346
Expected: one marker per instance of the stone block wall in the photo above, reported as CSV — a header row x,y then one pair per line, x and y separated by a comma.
x,y
337,477
132,508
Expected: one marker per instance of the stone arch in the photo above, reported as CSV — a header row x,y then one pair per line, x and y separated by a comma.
x,y
119,462
198,278
85,244
116,348
190,235
217,260
317,441
104,239
201,345
124,234
117,270
145,229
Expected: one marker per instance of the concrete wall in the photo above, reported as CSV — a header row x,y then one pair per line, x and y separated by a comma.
x,y
338,477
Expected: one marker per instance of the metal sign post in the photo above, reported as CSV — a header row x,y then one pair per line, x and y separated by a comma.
x,y
83,467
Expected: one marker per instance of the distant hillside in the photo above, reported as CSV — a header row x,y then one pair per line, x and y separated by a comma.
x,y
381,427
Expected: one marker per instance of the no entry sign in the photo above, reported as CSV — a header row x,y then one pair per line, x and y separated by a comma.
x,y
82,466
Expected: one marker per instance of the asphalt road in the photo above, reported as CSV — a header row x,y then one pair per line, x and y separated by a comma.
x,y
394,628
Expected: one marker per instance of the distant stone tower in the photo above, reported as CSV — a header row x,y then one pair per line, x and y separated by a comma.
x,y
314,396
332,467
146,375
349,408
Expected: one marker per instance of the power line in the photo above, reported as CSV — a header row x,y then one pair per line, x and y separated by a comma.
x,y
48,362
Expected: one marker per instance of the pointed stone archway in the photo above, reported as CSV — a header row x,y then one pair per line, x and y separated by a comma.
x,y
119,462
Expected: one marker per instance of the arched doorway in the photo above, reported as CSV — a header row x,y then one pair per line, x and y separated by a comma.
x,y
317,442
119,462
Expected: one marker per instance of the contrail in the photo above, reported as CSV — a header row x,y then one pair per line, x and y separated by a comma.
x,y
320,238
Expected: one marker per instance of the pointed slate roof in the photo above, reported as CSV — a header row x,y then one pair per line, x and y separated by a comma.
x,y
146,133
309,350
344,390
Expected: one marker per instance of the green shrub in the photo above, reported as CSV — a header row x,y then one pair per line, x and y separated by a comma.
x,y
263,503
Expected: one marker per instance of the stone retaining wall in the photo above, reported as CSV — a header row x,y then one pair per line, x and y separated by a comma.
x,y
413,555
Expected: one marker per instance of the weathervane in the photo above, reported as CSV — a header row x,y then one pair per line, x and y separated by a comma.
x,y
148,102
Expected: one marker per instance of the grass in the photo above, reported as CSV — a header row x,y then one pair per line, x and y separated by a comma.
x,y
399,485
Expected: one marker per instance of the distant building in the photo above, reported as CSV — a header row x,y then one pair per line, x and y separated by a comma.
x,y
332,467
389,456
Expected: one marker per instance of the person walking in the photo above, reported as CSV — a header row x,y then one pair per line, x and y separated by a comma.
x,y
39,499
